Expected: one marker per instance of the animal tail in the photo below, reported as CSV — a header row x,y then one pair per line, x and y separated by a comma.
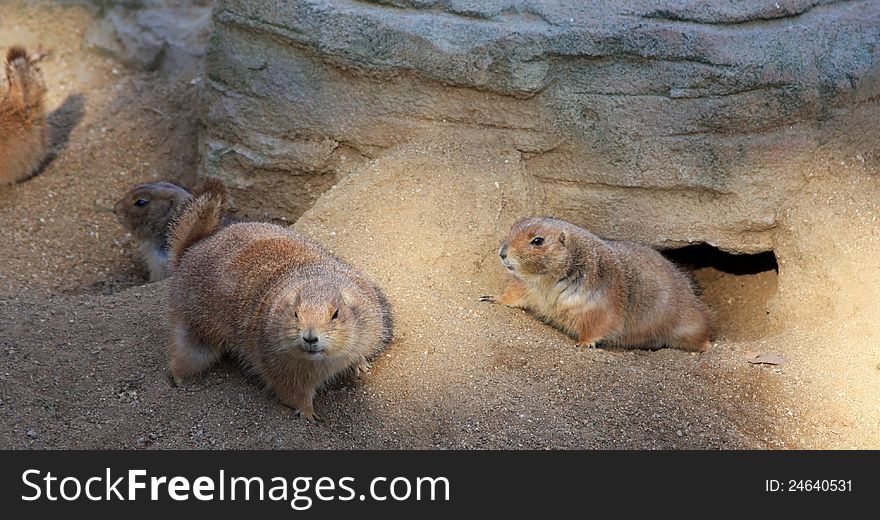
x,y
16,52
198,219
26,89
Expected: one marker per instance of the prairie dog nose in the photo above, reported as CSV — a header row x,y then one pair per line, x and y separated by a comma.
x,y
310,338
503,252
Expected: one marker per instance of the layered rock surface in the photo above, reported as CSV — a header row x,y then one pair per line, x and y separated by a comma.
x,y
667,122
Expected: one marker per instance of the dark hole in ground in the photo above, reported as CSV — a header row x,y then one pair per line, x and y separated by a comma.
x,y
699,256
738,288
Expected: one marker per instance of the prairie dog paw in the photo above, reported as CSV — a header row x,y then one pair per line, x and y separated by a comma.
x,y
362,368
308,415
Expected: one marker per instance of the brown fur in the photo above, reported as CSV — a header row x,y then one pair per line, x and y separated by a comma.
x,y
259,290
24,132
204,215
147,212
618,293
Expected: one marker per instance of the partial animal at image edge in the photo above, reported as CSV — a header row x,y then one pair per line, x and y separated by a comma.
x,y
24,130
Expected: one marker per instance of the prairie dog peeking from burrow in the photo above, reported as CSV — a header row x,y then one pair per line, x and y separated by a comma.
x,y
600,291
146,212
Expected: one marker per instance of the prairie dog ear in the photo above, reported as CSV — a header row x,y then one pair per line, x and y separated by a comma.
x,y
562,237
348,297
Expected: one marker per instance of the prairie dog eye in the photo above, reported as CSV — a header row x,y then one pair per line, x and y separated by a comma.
x,y
141,202
295,314
335,315
537,241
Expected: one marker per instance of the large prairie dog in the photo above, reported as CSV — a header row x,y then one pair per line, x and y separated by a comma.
x,y
294,314
24,132
617,293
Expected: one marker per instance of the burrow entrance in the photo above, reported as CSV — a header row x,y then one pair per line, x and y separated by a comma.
x,y
737,287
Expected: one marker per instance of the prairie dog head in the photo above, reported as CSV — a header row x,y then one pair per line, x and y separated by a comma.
x,y
536,247
316,322
147,209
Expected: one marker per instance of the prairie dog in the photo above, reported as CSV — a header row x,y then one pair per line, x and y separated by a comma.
x,y
24,132
293,313
146,212
618,293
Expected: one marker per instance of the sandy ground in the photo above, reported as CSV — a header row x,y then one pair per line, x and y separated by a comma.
x,y
82,337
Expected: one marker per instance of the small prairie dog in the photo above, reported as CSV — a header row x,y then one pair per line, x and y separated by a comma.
x,y
146,212
617,293
24,132
296,315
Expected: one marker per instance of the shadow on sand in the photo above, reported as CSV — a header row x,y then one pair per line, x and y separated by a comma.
x,y
61,123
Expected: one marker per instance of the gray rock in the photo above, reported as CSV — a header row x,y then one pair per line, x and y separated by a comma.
x,y
669,122
168,35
